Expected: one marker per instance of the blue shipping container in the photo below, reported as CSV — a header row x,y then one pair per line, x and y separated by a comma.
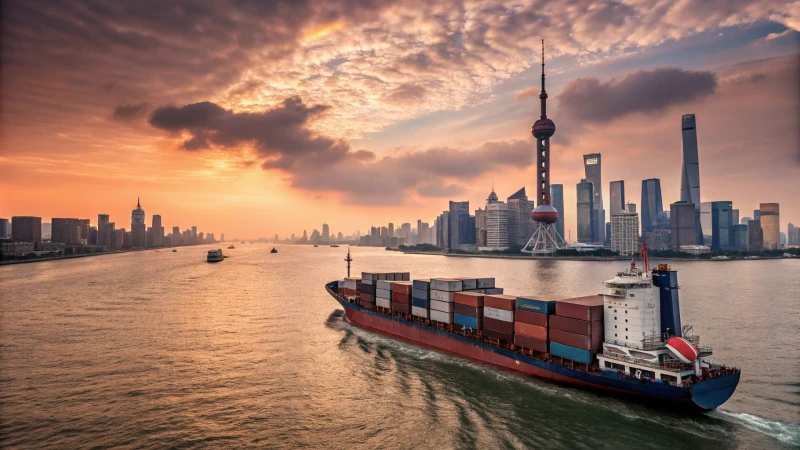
x,y
421,293
425,285
467,321
419,302
571,353
537,306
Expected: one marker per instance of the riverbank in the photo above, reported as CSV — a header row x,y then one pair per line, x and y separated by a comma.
x,y
84,255
581,258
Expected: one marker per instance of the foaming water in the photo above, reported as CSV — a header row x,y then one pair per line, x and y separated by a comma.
x,y
160,349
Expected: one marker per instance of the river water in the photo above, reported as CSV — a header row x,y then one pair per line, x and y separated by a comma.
x,y
159,349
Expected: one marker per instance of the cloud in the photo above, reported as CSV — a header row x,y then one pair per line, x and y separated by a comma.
x,y
129,112
590,100
528,92
280,135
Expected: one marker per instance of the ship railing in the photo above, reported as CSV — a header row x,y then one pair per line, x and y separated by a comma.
x,y
668,366
645,344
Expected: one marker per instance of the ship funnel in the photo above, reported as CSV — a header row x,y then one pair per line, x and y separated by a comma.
x,y
666,280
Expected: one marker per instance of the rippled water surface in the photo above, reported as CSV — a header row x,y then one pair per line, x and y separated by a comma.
x,y
159,349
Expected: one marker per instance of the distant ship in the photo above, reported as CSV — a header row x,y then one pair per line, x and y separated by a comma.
x,y
231,247
174,251
334,245
315,245
215,255
273,250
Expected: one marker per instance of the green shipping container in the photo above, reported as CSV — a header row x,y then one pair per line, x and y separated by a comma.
x,y
572,353
537,306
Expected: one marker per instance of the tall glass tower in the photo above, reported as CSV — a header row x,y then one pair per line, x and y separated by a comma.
x,y
651,204
690,168
557,200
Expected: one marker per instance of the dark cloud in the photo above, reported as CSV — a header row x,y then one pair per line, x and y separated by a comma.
x,y
280,135
591,100
129,112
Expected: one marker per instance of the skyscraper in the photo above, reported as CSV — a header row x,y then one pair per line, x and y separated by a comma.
x,y
496,224
756,214
651,203
67,231
176,236
480,227
545,238
520,224
26,229
734,217
721,225
391,229
739,238
755,236
584,215
158,232
557,201
771,224
138,227
690,166
625,233
5,228
326,231
705,223
630,207
617,197
459,224
592,167
103,238
683,218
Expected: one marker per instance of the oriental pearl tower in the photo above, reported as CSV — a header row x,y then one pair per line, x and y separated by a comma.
x,y
545,238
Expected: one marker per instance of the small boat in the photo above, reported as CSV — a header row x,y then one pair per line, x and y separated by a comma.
x,y
174,251
215,255
334,245
231,247
315,245
273,250
243,242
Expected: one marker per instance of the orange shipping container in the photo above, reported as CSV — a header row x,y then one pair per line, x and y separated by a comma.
x,y
500,301
473,299
527,329
402,287
400,298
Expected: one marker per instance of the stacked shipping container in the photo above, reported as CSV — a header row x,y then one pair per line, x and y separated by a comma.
x,y
376,289
401,297
420,298
498,317
468,310
576,330
442,300
531,323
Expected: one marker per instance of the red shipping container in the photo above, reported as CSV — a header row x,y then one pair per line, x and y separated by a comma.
x,y
472,311
469,298
507,337
583,308
500,301
530,342
401,307
366,297
498,325
532,318
349,292
591,343
527,329
402,287
400,298
574,325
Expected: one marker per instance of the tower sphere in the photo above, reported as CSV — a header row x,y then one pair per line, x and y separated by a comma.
x,y
543,128
544,214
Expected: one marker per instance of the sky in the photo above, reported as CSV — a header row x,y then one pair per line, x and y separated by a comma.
x,y
252,118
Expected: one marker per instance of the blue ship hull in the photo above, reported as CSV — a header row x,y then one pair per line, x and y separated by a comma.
x,y
708,394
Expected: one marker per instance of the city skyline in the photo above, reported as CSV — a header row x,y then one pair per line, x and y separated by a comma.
x,y
416,123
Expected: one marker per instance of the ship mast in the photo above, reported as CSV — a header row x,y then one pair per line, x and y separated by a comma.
x,y
349,260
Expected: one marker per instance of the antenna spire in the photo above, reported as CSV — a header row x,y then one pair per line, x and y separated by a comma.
x,y
543,95
348,260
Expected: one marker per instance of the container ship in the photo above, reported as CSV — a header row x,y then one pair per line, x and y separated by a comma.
x,y
628,340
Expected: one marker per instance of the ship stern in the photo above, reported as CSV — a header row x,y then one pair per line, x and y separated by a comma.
x,y
709,394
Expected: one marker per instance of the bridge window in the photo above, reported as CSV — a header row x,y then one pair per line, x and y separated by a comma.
x,y
633,295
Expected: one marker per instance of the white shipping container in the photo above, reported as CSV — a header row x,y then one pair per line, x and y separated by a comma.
x,y
446,284
492,291
382,293
485,283
384,284
369,282
419,312
468,283
441,316
443,296
442,306
383,302
498,314
340,283
350,285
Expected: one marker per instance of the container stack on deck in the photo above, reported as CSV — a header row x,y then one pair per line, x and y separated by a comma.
x,y
442,300
375,289
349,287
531,322
498,317
401,296
576,329
468,310
420,298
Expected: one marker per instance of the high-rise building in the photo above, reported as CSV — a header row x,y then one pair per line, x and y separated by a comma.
x,y
598,226
755,236
739,238
26,229
5,228
683,224
459,222
705,223
756,214
617,197
791,235
117,239
138,227
630,207
103,238
176,236
520,224
46,230
326,231
158,232
734,217
584,213
557,202
651,204
745,220
721,225
67,231
92,236
771,225
783,240
480,227
690,168
625,233
592,168
496,224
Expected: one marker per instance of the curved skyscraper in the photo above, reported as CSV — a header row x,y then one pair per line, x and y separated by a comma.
x,y
690,168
